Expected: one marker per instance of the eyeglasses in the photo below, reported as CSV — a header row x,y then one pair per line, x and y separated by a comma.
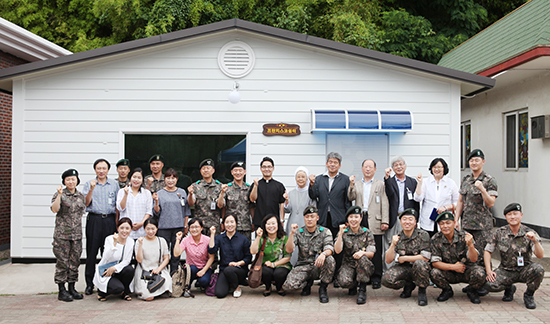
x,y
194,227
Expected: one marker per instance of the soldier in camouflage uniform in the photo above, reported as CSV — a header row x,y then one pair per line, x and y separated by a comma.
x,y
454,259
315,260
154,182
478,192
411,251
69,205
123,169
234,196
516,243
204,194
358,247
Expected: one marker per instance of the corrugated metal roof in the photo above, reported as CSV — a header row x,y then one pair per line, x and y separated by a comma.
x,y
525,28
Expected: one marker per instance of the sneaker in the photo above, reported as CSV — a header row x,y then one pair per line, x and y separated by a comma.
x,y
237,293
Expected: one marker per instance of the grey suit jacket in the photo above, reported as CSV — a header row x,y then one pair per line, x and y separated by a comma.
x,y
379,208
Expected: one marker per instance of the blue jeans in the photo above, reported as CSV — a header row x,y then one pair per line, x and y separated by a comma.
x,y
203,281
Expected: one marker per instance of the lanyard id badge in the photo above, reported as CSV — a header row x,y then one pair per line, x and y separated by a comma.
x,y
521,263
213,205
409,194
377,199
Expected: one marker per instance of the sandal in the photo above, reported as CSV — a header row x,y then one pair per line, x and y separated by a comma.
x,y
126,297
101,298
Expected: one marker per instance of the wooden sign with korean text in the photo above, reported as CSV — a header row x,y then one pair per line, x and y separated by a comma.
x,y
282,129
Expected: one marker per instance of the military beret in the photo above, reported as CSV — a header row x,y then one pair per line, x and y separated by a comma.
x,y
310,210
512,207
102,160
156,157
354,210
445,216
70,173
209,162
123,162
476,153
238,164
409,211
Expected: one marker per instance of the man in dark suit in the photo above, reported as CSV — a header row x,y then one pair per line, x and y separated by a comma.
x,y
330,191
400,191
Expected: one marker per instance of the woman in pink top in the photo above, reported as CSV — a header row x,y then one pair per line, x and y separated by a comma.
x,y
195,247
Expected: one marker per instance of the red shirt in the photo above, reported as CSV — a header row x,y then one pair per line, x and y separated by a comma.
x,y
197,254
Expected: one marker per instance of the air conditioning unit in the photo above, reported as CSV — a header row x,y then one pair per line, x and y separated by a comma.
x,y
540,126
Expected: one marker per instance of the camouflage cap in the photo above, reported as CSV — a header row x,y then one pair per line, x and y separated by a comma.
x,y
156,157
445,216
238,164
512,207
354,210
409,211
310,210
476,153
204,162
70,173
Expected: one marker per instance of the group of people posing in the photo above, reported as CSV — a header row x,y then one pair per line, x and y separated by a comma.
x,y
402,232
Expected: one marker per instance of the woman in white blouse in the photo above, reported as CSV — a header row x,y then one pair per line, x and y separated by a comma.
x,y
135,203
116,271
438,193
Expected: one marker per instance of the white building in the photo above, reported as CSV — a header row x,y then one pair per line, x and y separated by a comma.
x,y
164,94
503,121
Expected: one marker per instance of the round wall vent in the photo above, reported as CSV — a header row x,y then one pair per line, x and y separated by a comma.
x,y
236,59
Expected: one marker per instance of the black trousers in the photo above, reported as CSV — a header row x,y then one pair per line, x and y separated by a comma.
x,y
120,282
334,231
170,236
377,259
97,229
278,275
230,276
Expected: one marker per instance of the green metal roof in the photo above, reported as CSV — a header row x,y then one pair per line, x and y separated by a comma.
x,y
525,28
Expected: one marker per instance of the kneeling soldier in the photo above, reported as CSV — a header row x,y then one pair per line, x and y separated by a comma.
x,y
453,260
516,243
315,260
411,249
359,247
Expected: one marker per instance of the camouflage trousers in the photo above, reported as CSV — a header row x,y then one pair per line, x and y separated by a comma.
x,y
481,238
474,275
355,271
300,275
208,222
532,275
402,273
67,253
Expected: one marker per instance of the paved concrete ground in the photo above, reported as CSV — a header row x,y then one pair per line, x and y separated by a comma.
x,y
27,295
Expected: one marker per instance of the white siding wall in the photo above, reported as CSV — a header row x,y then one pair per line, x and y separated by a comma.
x,y
70,118
528,186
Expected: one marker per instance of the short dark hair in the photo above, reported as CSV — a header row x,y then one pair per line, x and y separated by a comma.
x,y
368,160
102,160
268,159
171,173
280,230
124,220
152,221
230,215
435,161
195,220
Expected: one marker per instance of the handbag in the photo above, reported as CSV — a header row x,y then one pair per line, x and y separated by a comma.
x,y
255,273
102,268
154,281
211,289
181,281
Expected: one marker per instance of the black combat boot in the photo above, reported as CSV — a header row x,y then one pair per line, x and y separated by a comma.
x,y
63,293
362,295
473,295
422,299
445,294
529,300
509,293
323,295
307,289
407,290
353,290
73,292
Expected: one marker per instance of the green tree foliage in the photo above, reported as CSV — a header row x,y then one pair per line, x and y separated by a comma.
x,y
421,29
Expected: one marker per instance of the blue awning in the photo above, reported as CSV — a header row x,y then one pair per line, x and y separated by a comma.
x,y
361,121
